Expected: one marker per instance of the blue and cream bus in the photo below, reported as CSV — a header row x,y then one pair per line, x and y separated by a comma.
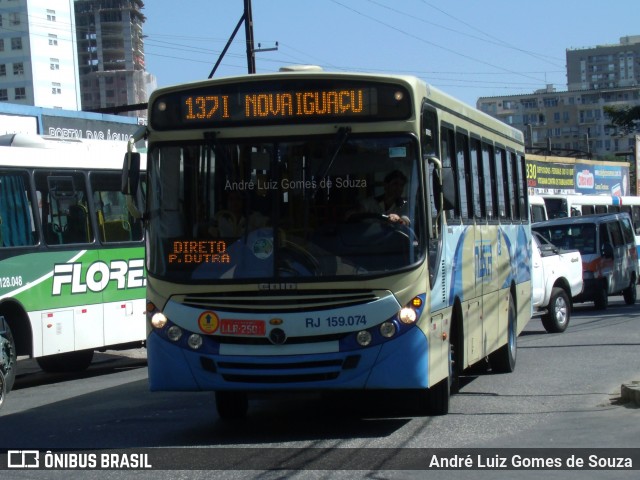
x,y
380,239
72,276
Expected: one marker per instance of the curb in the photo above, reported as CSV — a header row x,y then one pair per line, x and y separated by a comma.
x,y
630,392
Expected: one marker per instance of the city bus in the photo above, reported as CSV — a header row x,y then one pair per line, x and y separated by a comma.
x,y
381,240
72,276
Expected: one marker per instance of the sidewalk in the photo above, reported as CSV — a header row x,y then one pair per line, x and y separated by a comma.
x,y
630,393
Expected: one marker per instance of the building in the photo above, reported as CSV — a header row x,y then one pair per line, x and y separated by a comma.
x,y
111,53
567,123
38,54
605,66
66,124
73,54
573,122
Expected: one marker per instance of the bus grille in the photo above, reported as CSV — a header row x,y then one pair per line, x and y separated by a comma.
x,y
276,301
285,372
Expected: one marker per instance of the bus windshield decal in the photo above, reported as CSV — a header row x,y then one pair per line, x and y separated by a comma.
x,y
201,251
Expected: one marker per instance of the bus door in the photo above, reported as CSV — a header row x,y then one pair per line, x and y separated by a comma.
x,y
73,317
124,262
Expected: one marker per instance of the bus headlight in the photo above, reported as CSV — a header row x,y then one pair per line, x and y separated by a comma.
x,y
364,338
159,320
388,329
407,315
174,333
194,341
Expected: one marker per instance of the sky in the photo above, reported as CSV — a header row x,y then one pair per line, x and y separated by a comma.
x,y
468,48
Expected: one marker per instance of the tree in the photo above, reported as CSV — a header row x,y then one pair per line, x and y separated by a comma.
x,y
625,119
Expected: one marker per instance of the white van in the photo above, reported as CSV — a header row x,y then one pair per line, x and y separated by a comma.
x,y
609,255
537,209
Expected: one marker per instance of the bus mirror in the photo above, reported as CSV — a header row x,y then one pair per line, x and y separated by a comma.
x,y
442,184
130,173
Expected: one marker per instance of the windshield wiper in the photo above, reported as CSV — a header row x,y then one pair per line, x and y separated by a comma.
x,y
343,135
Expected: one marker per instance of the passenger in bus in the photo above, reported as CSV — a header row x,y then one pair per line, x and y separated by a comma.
x,y
391,203
236,220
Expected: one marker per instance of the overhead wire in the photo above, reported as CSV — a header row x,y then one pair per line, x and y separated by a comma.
x,y
434,44
288,54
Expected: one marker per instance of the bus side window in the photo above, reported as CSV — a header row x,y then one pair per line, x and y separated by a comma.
x,y
115,222
488,179
477,186
64,207
77,226
17,224
429,133
504,212
448,147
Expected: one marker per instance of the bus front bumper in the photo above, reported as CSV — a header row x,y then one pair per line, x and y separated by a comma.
x,y
398,364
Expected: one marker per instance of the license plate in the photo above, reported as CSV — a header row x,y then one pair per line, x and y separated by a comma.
x,y
242,327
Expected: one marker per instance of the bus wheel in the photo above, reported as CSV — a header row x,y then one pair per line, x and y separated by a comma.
x,y
556,320
630,294
8,359
503,360
232,405
66,362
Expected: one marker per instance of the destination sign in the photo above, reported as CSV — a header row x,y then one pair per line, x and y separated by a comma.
x,y
281,102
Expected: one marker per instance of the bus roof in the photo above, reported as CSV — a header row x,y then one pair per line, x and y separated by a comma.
x,y
22,150
437,97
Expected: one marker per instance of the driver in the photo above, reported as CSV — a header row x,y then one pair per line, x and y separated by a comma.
x,y
391,203
234,221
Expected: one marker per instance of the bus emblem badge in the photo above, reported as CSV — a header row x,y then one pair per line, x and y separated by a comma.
x,y
277,336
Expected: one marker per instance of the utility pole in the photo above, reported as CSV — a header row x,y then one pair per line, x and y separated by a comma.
x,y
248,30
247,18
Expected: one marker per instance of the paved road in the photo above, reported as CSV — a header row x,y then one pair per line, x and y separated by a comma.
x,y
565,392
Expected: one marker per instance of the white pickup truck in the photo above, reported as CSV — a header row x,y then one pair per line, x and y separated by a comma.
x,y
556,277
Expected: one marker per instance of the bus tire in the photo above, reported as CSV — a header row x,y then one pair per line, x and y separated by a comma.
x,y
630,293
232,405
8,358
556,320
66,362
503,360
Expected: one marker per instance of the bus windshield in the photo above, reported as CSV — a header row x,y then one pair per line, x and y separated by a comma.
x,y
323,206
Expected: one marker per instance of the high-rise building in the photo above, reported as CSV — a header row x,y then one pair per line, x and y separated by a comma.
x,y
567,123
38,54
111,53
574,122
73,54
604,66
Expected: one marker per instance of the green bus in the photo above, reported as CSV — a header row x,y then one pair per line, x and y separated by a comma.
x,y
72,274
